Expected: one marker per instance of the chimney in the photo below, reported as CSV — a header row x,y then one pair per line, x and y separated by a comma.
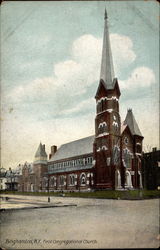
x,y
53,151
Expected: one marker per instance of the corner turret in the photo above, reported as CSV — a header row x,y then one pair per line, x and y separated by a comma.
x,y
40,156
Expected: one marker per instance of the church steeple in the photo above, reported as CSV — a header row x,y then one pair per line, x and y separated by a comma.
x,y
107,72
107,121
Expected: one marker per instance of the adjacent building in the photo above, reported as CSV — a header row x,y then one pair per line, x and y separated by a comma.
x,y
151,169
9,179
26,180
3,179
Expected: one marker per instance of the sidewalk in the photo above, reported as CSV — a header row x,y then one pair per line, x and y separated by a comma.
x,y
10,202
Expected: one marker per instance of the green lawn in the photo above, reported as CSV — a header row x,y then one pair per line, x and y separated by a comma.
x,y
106,194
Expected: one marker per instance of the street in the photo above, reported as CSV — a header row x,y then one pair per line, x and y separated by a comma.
x,y
93,223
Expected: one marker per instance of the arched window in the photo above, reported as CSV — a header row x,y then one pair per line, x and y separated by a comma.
x,y
83,179
102,104
115,127
127,158
139,148
105,104
100,128
71,180
45,182
61,180
104,127
52,181
116,155
98,107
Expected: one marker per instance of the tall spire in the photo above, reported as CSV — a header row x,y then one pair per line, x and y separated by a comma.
x,y
105,14
107,72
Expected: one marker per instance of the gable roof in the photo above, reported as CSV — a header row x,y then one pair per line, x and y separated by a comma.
x,y
125,127
132,124
74,148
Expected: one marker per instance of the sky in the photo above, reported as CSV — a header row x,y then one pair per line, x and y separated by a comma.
x,y
50,69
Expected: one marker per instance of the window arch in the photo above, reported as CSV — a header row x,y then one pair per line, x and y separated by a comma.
x,y
102,127
83,179
104,147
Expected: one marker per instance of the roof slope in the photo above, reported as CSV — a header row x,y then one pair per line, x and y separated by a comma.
x,y
41,151
74,148
132,124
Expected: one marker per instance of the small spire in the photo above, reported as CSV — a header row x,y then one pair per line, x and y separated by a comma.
x,y
105,14
41,151
129,110
132,124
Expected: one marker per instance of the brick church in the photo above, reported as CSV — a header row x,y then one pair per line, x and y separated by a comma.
x,y
110,159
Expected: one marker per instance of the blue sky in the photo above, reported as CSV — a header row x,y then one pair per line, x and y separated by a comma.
x,y
51,54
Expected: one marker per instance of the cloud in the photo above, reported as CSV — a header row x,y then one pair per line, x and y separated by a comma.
x,y
122,49
140,77
87,47
84,105
72,77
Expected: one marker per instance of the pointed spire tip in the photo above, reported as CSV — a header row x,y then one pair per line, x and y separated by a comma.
x,y
105,14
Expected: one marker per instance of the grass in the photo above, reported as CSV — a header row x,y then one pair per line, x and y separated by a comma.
x,y
106,194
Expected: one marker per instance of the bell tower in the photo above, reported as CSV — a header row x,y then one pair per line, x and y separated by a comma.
x,y
107,121
40,166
